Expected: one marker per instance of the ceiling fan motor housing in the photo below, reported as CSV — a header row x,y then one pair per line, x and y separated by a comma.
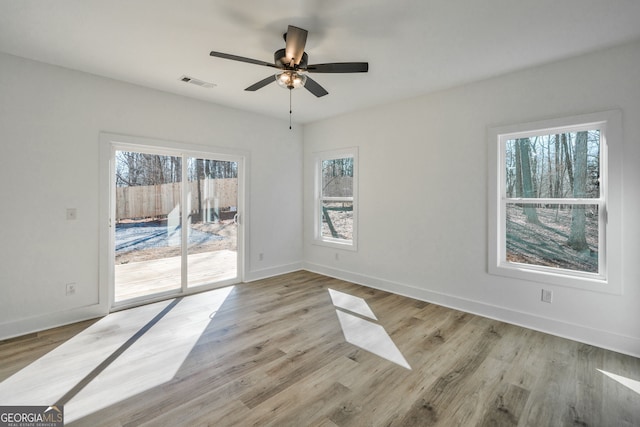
x,y
280,59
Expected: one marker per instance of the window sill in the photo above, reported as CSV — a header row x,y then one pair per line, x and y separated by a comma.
x,y
336,244
583,281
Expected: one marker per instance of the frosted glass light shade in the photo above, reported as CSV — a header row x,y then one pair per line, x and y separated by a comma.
x,y
291,79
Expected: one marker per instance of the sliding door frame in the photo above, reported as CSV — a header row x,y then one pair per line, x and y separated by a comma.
x,y
109,144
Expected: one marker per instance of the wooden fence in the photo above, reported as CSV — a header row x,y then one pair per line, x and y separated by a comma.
x,y
148,201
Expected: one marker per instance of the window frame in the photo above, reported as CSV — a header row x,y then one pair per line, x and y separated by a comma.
x,y
318,238
607,279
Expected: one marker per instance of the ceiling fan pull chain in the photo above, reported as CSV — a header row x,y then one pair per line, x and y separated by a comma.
x,y
290,90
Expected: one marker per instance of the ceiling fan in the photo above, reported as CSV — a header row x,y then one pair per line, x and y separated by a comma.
x,y
292,61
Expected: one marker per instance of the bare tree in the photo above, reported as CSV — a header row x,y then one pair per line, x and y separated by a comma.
x,y
577,238
523,147
566,148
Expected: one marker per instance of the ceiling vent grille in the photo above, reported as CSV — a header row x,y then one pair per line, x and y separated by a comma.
x,y
197,82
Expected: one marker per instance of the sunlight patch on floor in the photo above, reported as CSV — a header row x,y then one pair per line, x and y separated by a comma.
x,y
371,337
364,333
157,354
47,379
352,303
627,382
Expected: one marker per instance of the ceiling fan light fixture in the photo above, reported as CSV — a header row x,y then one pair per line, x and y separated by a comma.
x,y
291,79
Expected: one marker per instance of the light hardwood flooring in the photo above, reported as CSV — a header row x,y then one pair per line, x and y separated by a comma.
x,y
306,350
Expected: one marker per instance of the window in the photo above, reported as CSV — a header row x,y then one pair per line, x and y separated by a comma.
x,y
551,206
336,198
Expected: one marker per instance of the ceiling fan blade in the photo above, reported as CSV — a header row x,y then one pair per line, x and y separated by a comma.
x,y
339,67
262,83
296,40
242,59
313,87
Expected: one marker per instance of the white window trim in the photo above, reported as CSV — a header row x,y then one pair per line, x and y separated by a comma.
x,y
609,278
318,239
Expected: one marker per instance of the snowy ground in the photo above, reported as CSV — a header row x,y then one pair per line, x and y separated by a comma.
x,y
145,240
147,235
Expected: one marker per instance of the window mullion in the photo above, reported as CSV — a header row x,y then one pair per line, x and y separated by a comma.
x,y
337,199
548,201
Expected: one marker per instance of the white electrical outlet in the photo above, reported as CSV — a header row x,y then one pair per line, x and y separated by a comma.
x,y
70,289
547,296
337,256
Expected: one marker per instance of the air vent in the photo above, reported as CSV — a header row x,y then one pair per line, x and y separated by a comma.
x,y
197,82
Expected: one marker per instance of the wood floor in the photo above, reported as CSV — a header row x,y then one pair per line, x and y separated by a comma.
x,y
306,350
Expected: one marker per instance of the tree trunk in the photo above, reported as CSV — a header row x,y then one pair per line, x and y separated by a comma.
x,y
557,170
567,156
518,170
549,170
577,237
159,171
527,184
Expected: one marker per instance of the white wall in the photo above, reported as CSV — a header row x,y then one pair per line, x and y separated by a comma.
x,y
423,228
50,121
422,235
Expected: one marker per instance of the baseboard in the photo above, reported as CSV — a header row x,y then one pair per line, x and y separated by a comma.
x,y
33,324
50,320
605,339
272,271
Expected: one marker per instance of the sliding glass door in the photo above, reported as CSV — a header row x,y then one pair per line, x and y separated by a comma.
x,y
176,223
212,251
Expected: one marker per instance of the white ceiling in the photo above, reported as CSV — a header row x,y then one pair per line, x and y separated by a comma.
x,y
413,47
